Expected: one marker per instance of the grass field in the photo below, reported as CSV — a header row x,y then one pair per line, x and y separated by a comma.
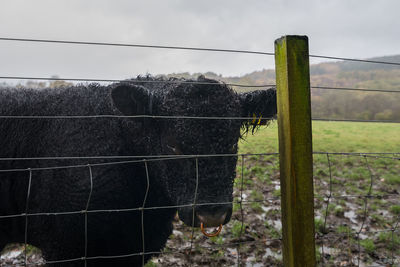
x,y
333,137
350,227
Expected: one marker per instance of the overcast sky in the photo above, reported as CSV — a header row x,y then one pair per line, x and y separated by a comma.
x,y
345,28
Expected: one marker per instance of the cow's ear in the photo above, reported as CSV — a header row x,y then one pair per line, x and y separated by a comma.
x,y
259,105
132,99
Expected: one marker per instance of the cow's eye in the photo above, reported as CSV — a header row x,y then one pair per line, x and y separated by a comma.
x,y
235,147
174,150
172,146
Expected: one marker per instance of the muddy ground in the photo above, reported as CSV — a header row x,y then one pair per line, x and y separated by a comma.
x,y
357,209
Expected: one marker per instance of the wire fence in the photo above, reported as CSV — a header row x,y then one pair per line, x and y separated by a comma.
x,y
365,214
183,48
142,209
324,232
353,237
361,236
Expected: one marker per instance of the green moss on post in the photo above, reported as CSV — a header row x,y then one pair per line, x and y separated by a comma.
x,y
295,147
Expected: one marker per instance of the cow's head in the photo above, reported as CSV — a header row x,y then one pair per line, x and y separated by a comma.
x,y
210,176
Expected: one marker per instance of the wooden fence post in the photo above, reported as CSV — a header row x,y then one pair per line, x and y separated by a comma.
x,y
295,147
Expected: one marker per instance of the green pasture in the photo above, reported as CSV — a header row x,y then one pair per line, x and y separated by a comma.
x,y
332,137
337,137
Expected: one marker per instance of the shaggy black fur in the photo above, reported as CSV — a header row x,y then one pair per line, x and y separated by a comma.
x,y
172,182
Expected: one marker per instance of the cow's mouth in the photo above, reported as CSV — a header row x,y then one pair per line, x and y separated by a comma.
x,y
213,216
211,220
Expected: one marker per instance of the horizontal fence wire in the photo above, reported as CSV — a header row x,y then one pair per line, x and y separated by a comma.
x,y
380,196
357,153
355,120
177,251
143,158
184,48
181,251
136,45
67,117
357,60
129,117
170,156
239,202
355,89
243,202
62,213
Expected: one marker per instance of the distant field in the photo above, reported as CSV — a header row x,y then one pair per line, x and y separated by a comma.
x,y
333,137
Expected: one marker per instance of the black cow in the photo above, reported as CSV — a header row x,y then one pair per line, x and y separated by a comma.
x,y
98,184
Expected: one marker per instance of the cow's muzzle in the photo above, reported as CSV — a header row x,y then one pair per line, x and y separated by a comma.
x,y
209,215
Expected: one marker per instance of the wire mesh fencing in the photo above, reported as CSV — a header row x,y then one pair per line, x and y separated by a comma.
x,y
233,247
357,209
357,203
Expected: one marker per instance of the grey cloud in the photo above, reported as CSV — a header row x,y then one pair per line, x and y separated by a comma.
x,y
347,28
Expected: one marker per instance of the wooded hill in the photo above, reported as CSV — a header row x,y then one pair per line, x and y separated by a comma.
x,y
328,104
338,104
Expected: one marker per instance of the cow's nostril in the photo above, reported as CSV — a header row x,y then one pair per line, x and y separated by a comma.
x,y
212,220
